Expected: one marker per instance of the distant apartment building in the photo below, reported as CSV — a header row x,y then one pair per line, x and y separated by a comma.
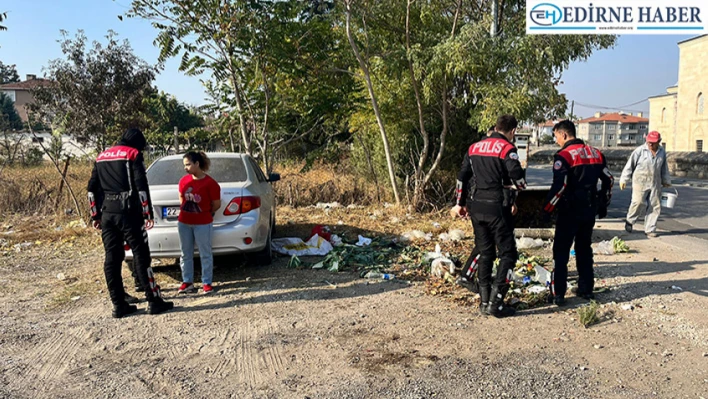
x,y
20,93
680,114
613,129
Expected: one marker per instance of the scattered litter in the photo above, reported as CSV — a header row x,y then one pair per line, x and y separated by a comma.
x,y
437,225
363,241
619,245
604,248
536,289
377,275
330,284
529,243
676,287
322,231
444,237
61,277
416,235
433,255
542,276
295,246
335,240
354,206
75,298
387,205
442,266
20,247
340,222
598,346
328,205
456,234
628,307
76,223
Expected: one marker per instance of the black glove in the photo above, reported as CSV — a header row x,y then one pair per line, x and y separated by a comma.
x,y
602,213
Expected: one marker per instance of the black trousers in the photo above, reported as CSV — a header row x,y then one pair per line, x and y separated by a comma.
x,y
128,227
492,232
570,229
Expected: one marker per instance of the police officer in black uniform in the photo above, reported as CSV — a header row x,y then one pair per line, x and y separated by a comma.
x,y
121,208
574,195
490,167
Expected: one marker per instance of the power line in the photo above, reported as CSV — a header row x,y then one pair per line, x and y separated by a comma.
x,y
623,107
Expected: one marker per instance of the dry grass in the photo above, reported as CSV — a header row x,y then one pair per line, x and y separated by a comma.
x,y
35,190
326,183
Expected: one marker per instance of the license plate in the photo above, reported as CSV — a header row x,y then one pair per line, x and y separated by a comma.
x,y
170,212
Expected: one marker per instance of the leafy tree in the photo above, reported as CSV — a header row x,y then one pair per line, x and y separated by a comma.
x,y
3,17
8,73
163,114
274,65
95,93
433,64
9,118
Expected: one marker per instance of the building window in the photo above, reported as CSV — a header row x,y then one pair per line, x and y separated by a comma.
x,y
11,94
699,145
699,104
597,137
632,127
610,137
642,127
630,137
611,127
663,115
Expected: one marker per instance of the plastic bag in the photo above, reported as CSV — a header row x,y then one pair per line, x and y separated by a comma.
x,y
295,246
529,243
442,266
604,248
416,235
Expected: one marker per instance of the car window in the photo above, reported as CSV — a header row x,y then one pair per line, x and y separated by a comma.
x,y
223,170
259,173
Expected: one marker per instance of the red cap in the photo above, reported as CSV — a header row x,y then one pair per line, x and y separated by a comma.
x,y
653,137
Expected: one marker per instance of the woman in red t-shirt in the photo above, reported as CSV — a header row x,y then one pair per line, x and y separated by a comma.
x,y
200,198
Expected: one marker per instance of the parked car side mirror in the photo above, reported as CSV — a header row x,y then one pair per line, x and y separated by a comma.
x,y
273,177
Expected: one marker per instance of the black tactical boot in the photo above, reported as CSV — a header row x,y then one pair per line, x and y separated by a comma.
x,y
497,308
157,306
484,294
558,300
123,309
131,299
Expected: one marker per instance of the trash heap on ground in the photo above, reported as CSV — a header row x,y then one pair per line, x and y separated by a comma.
x,y
405,257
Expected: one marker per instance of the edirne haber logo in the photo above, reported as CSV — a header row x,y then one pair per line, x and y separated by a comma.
x,y
616,17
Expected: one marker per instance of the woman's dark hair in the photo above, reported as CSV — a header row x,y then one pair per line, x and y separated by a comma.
x,y
201,157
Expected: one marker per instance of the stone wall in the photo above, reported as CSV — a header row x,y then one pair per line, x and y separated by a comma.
x,y
681,164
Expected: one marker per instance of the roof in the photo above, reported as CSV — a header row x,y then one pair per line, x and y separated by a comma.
x,y
691,39
25,85
615,117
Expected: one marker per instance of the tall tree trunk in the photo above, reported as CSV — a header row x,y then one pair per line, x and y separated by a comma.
x,y
374,103
418,189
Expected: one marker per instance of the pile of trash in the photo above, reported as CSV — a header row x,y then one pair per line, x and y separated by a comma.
x,y
614,246
368,256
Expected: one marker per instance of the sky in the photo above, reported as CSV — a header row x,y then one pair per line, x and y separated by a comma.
x,y
636,68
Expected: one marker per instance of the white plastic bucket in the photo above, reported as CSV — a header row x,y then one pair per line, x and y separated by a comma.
x,y
668,200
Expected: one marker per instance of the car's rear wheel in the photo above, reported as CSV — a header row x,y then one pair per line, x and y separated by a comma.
x,y
265,256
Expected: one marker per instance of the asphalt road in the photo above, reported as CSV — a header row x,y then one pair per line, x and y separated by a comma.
x,y
689,216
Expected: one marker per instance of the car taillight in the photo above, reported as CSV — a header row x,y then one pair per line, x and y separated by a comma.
x,y
241,205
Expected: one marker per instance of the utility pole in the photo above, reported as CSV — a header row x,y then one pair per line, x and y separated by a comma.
x,y
572,105
176,141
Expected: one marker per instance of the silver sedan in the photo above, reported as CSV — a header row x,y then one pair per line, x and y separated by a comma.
x,y
243,224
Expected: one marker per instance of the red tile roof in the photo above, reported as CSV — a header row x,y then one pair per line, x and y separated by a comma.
x,y
25,85
615,117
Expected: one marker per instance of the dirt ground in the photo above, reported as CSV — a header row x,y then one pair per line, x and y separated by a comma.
x,y
277,332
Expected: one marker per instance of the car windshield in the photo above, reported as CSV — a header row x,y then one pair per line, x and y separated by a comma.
x,y
169,171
